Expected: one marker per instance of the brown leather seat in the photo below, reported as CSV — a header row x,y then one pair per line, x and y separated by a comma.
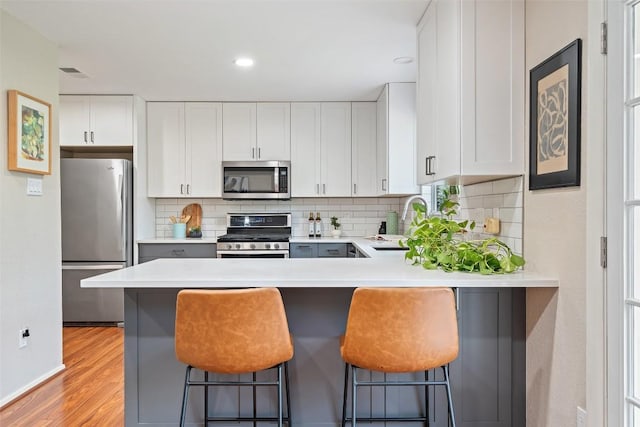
x,y
232,332
399,330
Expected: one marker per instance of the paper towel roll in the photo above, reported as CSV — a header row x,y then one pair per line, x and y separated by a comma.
x,y
392,222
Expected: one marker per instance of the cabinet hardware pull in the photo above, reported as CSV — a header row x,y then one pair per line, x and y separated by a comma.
x,y
384,184
429,165
426,166
181,188
317,188
324,188
304,247
259,153
354,189
92,141
253,153
188,190
178,251
85,136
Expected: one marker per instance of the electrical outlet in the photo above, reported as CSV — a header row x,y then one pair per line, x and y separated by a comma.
x,y
491,226
581,417
23,337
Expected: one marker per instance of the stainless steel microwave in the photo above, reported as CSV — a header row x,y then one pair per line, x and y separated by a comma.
x,y
256,180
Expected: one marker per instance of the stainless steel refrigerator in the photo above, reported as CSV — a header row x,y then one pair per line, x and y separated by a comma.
x,y
96,236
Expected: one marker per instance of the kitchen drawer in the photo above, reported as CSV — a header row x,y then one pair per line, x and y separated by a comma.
x,y
149,251
303,250
336,250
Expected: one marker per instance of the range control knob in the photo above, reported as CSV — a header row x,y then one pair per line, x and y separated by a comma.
x,y
276,246
252,246
237,245
267,245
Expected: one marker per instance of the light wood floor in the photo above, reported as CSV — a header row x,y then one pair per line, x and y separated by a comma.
x,y
90,392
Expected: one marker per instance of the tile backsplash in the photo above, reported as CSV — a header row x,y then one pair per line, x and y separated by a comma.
x,y
498,199
362,216
358,216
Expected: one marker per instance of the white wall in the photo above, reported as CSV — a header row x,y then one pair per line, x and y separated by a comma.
x,y
30,251
555,243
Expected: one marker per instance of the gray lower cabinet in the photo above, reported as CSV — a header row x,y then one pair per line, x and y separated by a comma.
x,y
318,250
487,378
150,251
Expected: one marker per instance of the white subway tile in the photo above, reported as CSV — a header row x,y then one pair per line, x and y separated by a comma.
x,y
510,185
492,201
512,200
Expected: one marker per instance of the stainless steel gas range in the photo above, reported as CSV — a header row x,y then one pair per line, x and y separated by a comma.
x,y
256,235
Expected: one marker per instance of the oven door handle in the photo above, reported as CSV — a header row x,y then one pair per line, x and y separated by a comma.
x,y
253,252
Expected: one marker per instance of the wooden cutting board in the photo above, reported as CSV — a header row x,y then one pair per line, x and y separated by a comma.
x,y
195,210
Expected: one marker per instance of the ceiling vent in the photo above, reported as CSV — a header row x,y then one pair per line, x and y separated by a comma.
x,y
73,72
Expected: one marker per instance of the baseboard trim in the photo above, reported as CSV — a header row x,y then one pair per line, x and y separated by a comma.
x,y
33,385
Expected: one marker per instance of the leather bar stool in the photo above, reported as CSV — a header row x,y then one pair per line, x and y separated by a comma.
x,y
399,330
237,331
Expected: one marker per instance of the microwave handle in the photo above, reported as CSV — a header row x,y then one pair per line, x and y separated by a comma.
x,y
276,180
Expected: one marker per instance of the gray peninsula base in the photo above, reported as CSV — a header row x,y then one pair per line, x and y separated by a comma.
x,y
488,378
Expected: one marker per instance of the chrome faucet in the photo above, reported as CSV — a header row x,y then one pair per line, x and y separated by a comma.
x,y
408,203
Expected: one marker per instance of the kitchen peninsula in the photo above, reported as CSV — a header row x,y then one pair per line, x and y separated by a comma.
x,y
487,378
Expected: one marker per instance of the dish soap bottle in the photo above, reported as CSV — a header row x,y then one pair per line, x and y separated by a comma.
x,y
312,225
318,225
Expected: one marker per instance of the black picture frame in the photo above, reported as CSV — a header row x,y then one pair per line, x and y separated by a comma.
x,y
554,125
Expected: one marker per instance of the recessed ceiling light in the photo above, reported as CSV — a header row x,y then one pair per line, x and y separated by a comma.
x,y
244,62
403,60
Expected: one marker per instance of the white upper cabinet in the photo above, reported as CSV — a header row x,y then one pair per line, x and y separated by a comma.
x,y
184,149
97,120
363,149
396,139
203,149
321,149
470,91
256,131
335,167
239,131
305,149
274,131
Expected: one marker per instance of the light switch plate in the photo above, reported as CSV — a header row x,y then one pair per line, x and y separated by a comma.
x,y
34,186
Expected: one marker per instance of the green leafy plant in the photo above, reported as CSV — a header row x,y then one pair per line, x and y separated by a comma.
x,y
335,223
435,242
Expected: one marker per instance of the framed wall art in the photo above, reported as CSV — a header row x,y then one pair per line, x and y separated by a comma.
x,y
554,126
29,134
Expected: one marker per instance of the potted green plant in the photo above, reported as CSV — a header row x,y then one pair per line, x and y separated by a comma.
x,y
195,232
336,232
436,242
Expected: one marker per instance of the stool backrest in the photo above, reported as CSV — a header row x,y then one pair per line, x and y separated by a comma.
x,y
232,331
401,329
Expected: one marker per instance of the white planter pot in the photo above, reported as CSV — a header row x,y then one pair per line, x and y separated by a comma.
x,y
336,233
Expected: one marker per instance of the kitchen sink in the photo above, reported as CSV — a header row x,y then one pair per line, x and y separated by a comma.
x,y
389,248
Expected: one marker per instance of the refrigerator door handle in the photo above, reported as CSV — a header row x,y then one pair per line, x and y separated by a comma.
x,y
93,267
122,213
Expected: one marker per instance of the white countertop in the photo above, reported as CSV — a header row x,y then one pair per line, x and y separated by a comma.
x,y
381,269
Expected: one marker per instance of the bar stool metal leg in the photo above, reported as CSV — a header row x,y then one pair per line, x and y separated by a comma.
x,y
253,377
206,398
286,383
280,395
344,395
185,396
354,384
452,417
426,400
